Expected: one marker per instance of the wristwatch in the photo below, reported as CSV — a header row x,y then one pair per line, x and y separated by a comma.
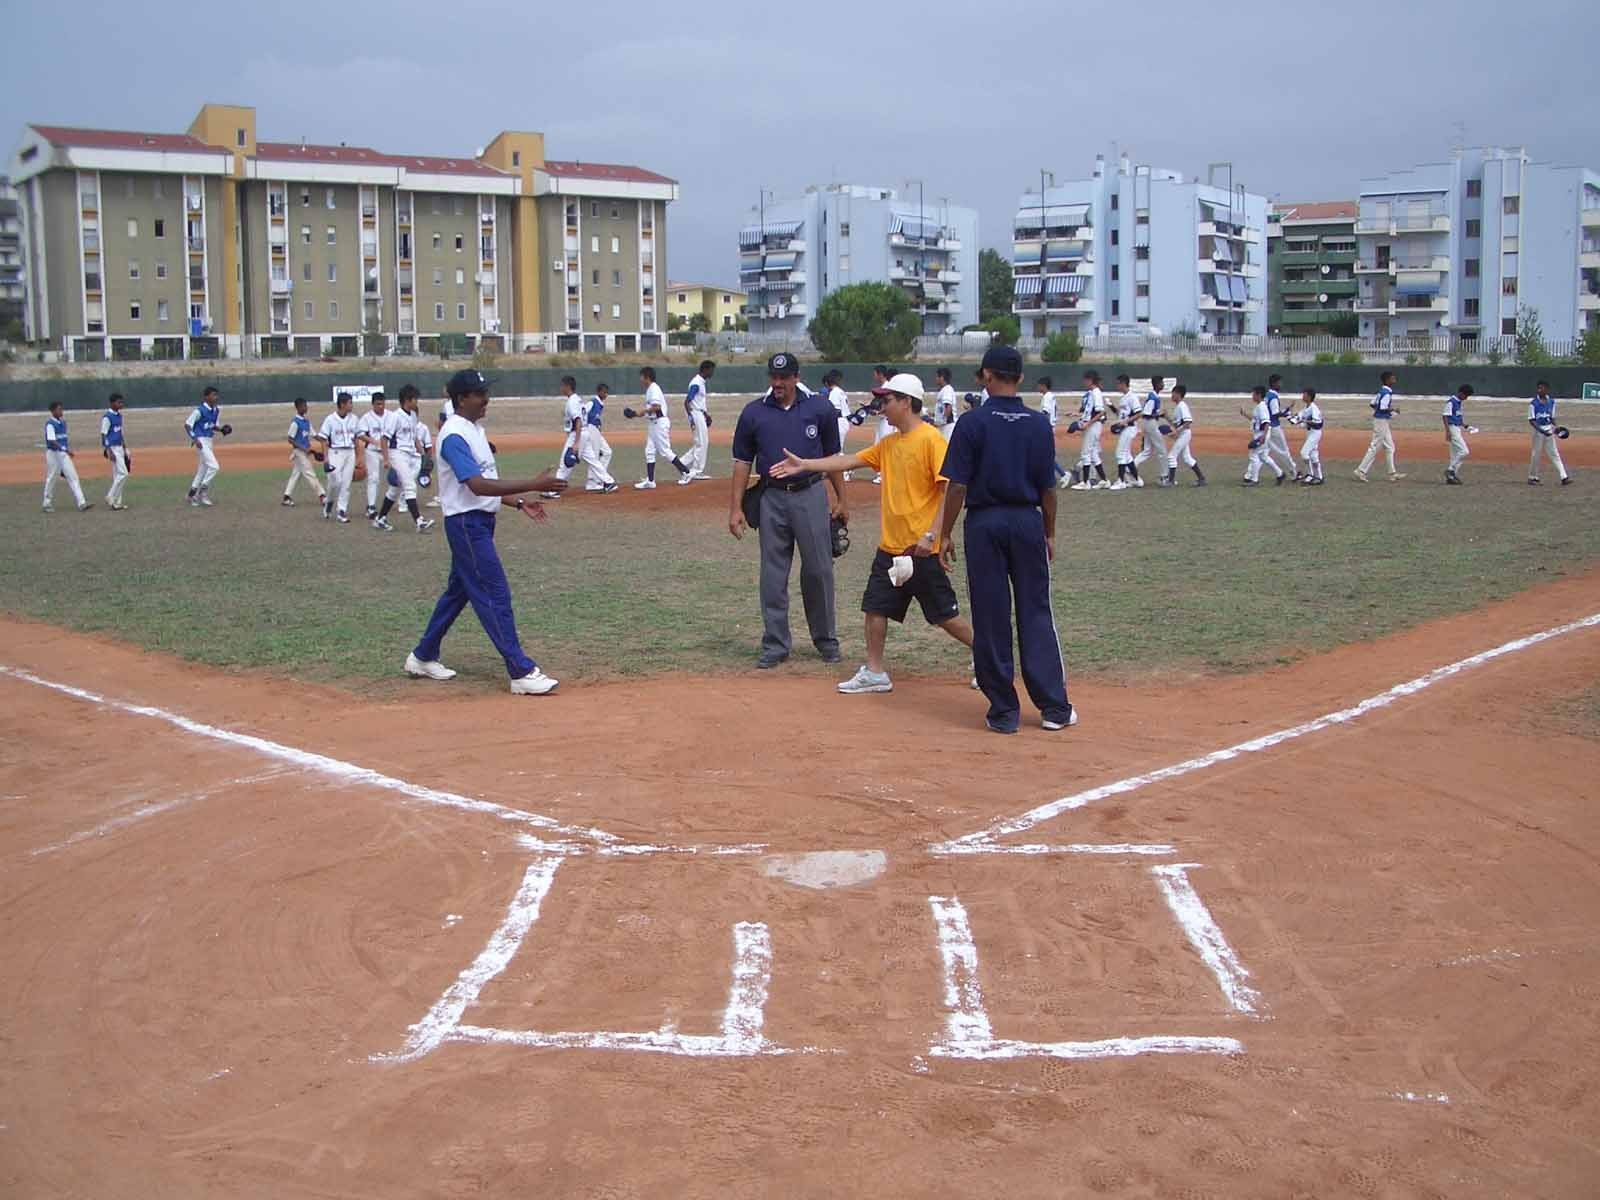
x,y
520,504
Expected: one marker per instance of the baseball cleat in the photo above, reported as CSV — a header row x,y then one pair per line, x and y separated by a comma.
x,y
342,519
1101,485
1360,474
85,506
684,480
287,502
645,485
1533,481
371,512
609,488
1119,486
424,524
1566,479
383,524
1397,476
536,683
427,670
866,680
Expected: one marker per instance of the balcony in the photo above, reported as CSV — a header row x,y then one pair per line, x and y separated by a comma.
x,y
1436,262
280,325
403,218
369,212
1310,316
1066,304
1589,259
948,276
282,287
197,245
1399,223
194,203
486,278
1372,304
369,250
1590,218
1317,287
1316,258
1588,302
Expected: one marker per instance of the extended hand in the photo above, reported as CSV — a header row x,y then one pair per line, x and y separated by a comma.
x,y
535,511
548,482
792,464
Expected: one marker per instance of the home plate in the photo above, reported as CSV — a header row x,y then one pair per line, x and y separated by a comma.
x,y
826,868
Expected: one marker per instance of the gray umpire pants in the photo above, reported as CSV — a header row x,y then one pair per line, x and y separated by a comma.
x,y
790,519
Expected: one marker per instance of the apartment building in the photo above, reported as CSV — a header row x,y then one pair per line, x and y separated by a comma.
x,y
1311,280
212,243
13,275
722,307
1139,248
1458,249
795,253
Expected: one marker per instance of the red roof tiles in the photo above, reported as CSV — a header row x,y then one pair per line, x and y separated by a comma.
x,y
119,139
609,171
1317,210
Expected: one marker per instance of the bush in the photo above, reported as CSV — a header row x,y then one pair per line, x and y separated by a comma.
x,y
865,322
1350,358
1324,358
1062,347
485,359
1005,328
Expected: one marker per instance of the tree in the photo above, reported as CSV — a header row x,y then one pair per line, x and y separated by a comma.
x,y
674,322
1531,351
994,285
1062,347
1345,325
1587,348
699,323
865,322
1005,327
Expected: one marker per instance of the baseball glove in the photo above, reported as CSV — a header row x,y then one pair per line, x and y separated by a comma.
x,y
1255,443
1117,427
570,459
840,533
630,413
1563,432
127,460
1166,430
1075,427
393,477
317,454
224,430
708,421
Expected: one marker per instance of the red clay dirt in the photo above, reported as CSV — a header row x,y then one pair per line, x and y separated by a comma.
x,y
1337,444
205,947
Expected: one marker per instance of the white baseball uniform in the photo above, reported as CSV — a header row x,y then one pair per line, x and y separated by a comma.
x,y
1092,417
694,402
1047,405
405,455
339,435
1155,446
594,449
58,462
658,425
201,426
572,425
111,442
370,426
1542,417
1382,432
1311,417
1127,411
840,400
1277,439
1260,422
1183,427
944,411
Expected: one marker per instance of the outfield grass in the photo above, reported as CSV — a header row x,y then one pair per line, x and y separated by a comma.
x,y
1220,578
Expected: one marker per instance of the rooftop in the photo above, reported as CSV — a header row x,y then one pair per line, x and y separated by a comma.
x,y
613,172
707,287
1317,210
120,139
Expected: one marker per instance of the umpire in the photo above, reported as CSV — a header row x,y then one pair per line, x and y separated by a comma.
x,y
791,512
1001,467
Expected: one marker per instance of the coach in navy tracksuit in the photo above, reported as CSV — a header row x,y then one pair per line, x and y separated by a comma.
x,y
1001,467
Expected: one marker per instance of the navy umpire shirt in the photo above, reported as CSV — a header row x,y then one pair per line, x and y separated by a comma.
x,y
808,429
1004,452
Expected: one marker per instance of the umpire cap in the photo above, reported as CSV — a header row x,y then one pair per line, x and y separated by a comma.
x,y
464,383
782,364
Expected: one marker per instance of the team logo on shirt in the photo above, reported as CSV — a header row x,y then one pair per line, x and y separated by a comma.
x,y
811,431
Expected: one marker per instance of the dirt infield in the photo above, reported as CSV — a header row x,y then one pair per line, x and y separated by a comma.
x,y
1360,960
1209,445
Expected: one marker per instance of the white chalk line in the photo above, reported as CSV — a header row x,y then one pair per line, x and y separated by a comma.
x,y
344,772
639,849
982,841
970,1035
155,810
1205,936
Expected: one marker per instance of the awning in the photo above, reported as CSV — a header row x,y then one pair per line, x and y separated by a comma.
x,y
1240,288
1025,254
933,289
1065,285
1063,251
1141,235
749,239
780,262
922,228
1027,285
1418,283
1221,251
750,266
1058,215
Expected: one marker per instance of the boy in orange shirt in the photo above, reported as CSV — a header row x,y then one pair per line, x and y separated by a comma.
x,y
912,510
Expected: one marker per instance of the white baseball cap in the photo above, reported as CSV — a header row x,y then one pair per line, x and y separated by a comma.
x,y
905,384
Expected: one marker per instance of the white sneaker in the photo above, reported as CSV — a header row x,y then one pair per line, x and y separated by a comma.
x,y
878,479
549,495
645,485
535,684
1078,487
702,475
1101,485
342,519
205,499
867,680
1054,725
427,670
685,480
1119,486
1139,481
47,508
424,524
383,524
434,503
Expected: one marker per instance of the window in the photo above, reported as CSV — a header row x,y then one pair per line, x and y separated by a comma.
x,y
305,271
305,197
458,243
727,299
1511,205
161,228
133,311
1469,308
305,235
844,229
461,312
594,244
1470,267
333,235
238,137
1115,233
595,277
133,227
438,276
438,312
615,212
1141,289
1508,286
1116,305
310,309
161,270
1114,199
1508,326
594,211
616,312
516,158
683,298
461,277
597,310
1474,188
333,310
162,311
456,208
197,312
436,241
1142,252
616,245
1474,227
133,268
1116,272
616,279
158,188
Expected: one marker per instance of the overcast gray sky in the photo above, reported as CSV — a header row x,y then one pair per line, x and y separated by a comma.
x,y
973,98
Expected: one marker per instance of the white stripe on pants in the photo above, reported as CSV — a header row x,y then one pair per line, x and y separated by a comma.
x,y
1458,448
58,464
119,475
302,467
1382,438
695,458
206,469
1180,450
1546,443
343,464
596,454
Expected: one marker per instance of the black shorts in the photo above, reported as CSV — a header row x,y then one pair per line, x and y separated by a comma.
x,y
928,584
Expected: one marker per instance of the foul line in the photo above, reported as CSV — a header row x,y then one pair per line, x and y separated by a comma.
x,y
982,842
338,769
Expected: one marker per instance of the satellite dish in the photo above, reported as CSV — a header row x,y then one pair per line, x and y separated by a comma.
x,y
1326,268
372,272
1322,297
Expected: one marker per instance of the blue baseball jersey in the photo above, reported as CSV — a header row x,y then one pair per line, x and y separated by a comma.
x,y
300,432
55,434
110,428
1383,403
1274,408
1542,410
1152,405
1452,411
1004,453
595,412
202,422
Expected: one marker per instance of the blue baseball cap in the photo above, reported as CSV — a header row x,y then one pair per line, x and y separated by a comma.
x,y
782,364
1002,360
464,383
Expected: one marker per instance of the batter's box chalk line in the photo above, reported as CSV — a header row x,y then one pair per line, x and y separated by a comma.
x,y
986,841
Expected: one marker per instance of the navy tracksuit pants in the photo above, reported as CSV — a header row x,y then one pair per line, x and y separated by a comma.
x,y
1006,558
478,579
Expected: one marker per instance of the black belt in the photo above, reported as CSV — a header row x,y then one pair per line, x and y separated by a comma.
x,y
793,485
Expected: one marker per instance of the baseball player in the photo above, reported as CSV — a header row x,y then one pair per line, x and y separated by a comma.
x,y
425,444
833,386
1277,440
1382,433
1260,421
1455,436
403,452
58,462
1542,417
115,449
1153,431
593,447
1310,415
944,404
695,405
572,424
1126,429
472,492
202,428
300,455
658,431
1047,400
1091,423
913,502
338,437
880,380
369,429
1183,423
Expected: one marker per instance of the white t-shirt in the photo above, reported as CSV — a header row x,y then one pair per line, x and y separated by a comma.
x,y
424,437
571,411
1127,407
456,497
945,406
696,394
654,395
840,402
1260,417
400,429
1047,405
447,410
1093,403
339,432
1181,415
370,425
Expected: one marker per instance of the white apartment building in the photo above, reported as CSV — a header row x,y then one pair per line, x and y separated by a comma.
x,y
797,252
1139,248
1459,248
